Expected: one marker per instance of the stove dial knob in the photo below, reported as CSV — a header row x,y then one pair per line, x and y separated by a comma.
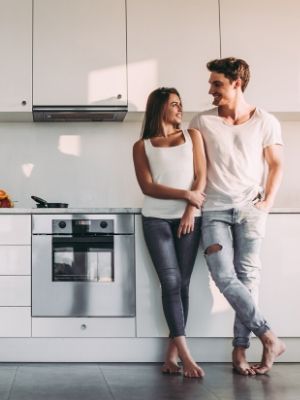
x,y
103,224
62,224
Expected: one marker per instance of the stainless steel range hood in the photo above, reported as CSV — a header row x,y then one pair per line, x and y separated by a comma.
x,y
78,113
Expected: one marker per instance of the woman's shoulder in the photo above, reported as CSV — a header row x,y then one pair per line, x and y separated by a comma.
x,y
139,145
194,133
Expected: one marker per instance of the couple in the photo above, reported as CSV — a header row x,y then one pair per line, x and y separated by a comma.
x,y
224,153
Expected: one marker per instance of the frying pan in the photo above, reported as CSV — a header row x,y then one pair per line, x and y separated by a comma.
x,y
41,203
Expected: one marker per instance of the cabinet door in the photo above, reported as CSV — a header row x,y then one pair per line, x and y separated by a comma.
x,y
15,322
265,34
280,276
169,44
15,229
209,313
16,55
15,291
79,52
83,327
15,260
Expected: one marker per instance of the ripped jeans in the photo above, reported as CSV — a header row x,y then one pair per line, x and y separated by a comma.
x,y
232,240
173,259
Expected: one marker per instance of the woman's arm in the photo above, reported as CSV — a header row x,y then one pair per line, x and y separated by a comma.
x,y
150,188
187,220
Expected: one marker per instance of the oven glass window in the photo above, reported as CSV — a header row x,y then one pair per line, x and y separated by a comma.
x,y
83,259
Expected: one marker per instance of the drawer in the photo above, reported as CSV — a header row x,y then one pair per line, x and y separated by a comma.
x,y
15,291
83,327
15,229
15,260
15,322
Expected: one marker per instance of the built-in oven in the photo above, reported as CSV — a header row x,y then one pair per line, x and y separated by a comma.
x,y
83,265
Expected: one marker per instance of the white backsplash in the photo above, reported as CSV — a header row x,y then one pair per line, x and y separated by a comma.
x,y
90,164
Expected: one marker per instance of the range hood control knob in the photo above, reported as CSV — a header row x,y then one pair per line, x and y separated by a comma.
x,y
103,224
62,224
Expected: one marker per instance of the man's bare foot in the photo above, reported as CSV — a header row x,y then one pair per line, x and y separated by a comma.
x,y
272,348
170,365
239,362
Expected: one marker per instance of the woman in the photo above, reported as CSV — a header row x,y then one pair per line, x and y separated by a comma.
x,y
171,170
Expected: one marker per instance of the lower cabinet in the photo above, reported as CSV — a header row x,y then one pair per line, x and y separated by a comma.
x,y
15,321
83,327
15,275
210,315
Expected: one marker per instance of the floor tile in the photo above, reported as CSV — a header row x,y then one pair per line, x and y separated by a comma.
x,y
7,374
59,382
146,382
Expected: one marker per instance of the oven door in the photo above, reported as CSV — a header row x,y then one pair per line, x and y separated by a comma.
x,y
83,276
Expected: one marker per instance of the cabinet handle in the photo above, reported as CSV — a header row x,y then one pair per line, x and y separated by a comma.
x,y
119,96
24,102
83,327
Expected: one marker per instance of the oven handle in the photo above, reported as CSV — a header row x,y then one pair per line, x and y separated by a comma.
x,y
83,239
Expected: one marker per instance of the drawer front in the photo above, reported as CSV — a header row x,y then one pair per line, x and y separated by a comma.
x,y
15,260
83,327
15,229
15,291
15,322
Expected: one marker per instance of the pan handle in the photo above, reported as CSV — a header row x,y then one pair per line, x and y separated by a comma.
x,y
39,200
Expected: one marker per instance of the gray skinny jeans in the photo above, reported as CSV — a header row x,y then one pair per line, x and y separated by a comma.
x,y
235,264
173,259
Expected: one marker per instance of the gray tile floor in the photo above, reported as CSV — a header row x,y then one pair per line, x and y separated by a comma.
x,y
132,381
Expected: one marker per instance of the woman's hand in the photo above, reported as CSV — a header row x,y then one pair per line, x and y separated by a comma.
x,y
187,222
196,198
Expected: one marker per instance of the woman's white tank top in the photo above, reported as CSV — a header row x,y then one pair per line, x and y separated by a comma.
x,y
173,167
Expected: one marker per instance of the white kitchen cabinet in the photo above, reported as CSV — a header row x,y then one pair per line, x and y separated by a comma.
x,y
15,275
15,229
16,55
169,45
15,291
265,34
79,52
280,276
15,260
15,322
210,314
83,327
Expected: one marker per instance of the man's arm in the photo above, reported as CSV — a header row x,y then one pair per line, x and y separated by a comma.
x,y
274,157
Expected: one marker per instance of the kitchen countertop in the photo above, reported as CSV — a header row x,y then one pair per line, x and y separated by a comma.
x,y
107,210
89,210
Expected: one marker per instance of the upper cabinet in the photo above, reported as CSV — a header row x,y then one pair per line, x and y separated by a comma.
x,y
16,55
265,34
169,44
79,52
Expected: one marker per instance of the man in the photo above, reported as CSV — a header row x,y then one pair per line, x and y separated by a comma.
x,y
239,139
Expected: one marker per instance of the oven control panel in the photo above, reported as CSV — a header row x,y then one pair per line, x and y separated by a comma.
x,y
82,226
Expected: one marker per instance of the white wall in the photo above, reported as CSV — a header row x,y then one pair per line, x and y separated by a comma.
x,y
90,164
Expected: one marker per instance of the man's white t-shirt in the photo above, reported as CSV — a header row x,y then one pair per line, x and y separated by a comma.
x,y
235,161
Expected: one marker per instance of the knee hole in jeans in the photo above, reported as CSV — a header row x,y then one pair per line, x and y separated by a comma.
x,y
213,248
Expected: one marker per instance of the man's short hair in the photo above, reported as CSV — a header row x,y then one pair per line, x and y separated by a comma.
x,y
232,68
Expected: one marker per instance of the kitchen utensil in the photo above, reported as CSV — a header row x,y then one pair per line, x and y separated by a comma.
x,y
41,203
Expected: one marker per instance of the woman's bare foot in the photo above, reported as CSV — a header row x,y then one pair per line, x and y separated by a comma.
x,y
272,348
170,365
191,369
171,368
240,363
